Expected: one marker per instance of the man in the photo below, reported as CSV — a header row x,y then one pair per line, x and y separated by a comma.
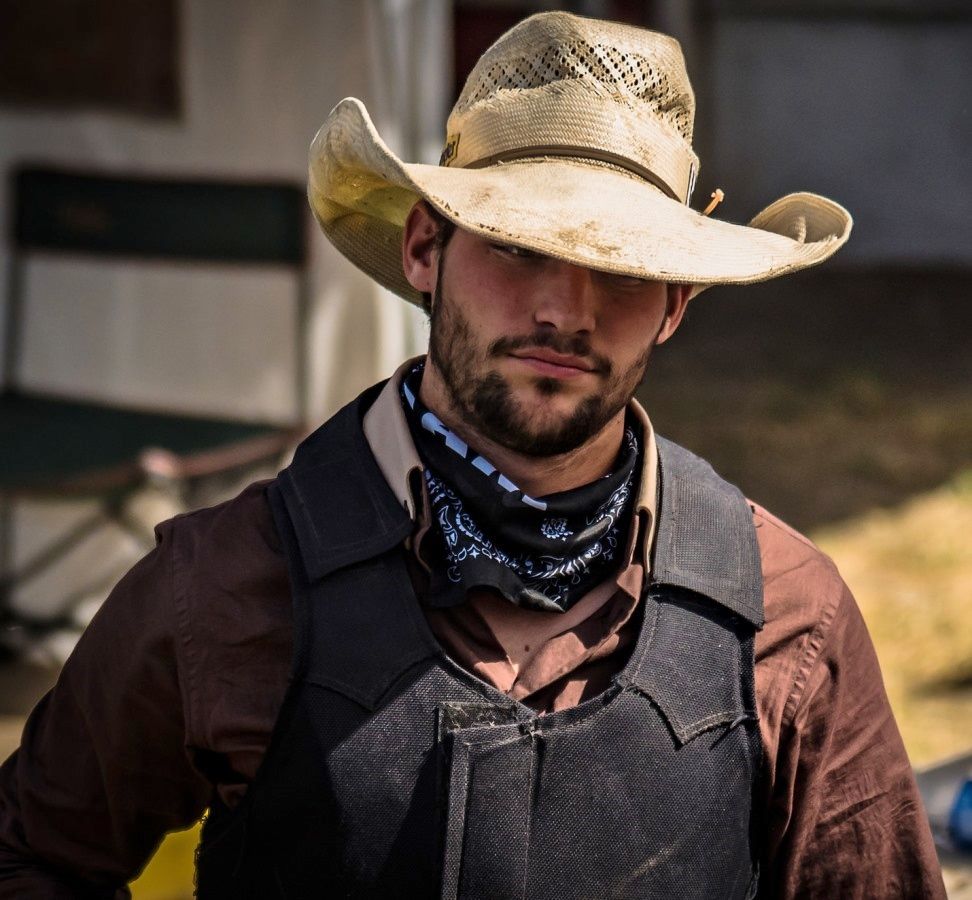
x,y
489,636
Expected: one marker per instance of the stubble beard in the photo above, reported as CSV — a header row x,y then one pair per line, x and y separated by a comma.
x,y
482,398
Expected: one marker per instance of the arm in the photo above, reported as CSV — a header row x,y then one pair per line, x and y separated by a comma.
x,y
103,771
846,819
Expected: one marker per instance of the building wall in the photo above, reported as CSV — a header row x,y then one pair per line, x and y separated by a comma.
x,y
871,109
258,79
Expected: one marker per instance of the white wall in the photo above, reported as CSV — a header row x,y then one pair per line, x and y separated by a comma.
x,y
259,78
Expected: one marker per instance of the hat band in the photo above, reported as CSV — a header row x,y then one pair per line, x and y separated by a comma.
x,y
569,121
567,152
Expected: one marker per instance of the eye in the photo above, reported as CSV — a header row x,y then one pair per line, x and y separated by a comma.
x,y
515,252
624,281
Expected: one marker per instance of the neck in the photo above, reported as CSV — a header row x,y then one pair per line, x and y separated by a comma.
x,y
537,476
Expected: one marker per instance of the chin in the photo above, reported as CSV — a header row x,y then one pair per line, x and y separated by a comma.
x,y
550,427
549,387
549,402
537,417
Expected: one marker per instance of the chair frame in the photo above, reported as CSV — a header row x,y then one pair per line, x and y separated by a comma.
x,y
41,198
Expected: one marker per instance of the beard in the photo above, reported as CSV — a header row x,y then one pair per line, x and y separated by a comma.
x,y
482,398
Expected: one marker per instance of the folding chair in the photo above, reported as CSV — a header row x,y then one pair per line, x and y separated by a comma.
x,y
55,448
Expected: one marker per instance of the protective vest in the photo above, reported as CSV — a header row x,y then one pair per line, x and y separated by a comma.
x,y
395,773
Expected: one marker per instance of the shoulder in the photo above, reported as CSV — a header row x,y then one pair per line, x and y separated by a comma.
x,y
226,557
811,617
231,604
802,588
799,580
233,527
792,561
197,554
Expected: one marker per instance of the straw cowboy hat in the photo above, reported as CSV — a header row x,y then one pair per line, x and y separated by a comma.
x,y
572,137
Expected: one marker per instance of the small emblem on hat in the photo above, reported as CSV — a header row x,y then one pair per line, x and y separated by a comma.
x,y
450,151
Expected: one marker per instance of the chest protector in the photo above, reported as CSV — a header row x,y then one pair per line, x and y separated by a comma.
x,y
395,773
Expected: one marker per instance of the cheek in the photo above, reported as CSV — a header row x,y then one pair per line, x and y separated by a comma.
x,y
631,337
494,307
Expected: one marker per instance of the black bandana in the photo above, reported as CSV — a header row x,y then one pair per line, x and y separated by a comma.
x,y
544,553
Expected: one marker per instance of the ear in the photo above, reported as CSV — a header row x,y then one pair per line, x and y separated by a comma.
x,y
420,255
678,298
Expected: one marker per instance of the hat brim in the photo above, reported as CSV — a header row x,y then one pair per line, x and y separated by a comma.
x,y
586,213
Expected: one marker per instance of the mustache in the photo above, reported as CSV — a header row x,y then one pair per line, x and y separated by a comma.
x,y
567,345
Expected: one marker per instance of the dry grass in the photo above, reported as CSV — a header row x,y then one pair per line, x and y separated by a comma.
x,y
911,571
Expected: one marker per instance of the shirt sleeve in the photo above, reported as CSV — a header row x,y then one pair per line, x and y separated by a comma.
x,y
103,770
846,819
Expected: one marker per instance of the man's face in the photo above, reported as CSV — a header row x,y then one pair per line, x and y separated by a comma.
x,y
536,354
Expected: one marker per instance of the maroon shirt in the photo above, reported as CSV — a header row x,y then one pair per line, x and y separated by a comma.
x,y
175,686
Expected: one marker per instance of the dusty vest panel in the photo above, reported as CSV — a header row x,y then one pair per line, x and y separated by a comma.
x,y
393,772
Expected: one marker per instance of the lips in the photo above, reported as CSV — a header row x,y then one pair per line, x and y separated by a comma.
x,y
551,363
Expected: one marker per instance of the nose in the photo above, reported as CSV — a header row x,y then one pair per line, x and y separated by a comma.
x,y
567,299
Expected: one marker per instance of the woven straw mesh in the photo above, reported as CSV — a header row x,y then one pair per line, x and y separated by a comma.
x,y
629,77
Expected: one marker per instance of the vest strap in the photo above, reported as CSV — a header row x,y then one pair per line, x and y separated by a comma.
x,y
341,508
705,540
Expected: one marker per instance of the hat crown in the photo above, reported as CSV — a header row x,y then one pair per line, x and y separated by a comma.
x,y
560,85
631,65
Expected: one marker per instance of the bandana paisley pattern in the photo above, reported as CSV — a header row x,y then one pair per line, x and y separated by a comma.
x,y
543,553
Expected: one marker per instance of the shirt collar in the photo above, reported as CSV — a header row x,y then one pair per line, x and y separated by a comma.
x,y
391,444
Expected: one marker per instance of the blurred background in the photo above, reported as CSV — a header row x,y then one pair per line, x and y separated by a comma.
x,y
172,318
